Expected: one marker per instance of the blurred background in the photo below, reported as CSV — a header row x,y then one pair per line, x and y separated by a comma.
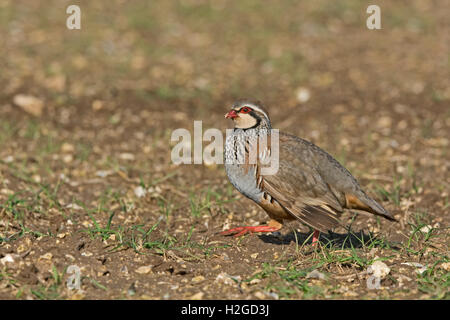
x,y
87,114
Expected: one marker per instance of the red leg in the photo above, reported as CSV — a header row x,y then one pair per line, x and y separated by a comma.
x,y
239,231
315,239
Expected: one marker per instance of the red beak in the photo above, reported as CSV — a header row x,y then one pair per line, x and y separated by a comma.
x,y
232,114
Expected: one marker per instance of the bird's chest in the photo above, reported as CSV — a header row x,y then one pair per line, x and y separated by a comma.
x,y
244,176
244,182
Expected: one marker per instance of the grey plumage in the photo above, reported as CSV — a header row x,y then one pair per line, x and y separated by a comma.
x,y
310,184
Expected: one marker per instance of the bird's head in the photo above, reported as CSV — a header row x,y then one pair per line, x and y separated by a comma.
x,y
247,114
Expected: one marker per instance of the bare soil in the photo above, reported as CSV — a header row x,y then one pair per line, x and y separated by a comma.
x,y
86,177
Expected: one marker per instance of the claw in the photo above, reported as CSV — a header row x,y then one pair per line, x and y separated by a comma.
x,y
240,231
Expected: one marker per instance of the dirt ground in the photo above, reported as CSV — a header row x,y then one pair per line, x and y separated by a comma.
x,y
87,181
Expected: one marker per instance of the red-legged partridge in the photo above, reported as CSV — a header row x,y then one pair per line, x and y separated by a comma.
x,y
309,185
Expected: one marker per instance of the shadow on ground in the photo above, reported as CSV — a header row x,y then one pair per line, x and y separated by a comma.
x,y
332,239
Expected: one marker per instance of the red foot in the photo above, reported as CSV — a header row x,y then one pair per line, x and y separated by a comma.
x,y
315,238
243,230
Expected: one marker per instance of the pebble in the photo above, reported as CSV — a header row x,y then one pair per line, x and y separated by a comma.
x,y
79,295
29,104
197,296
74,206
227,279
7,259
260,295
103,173
67,158
97,105
426,229
140,192
21,248
254,255
420,267
445,266
144,269
315,274
70,257
8,159
86,254
47,256
302,94
198,279
402,279
127,156
67,147
378,269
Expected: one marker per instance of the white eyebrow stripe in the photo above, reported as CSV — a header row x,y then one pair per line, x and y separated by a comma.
x,y
255,107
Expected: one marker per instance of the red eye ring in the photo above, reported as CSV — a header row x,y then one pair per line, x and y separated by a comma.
x,y
245,110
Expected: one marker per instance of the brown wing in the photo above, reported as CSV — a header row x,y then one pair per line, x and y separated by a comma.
x,y
300,189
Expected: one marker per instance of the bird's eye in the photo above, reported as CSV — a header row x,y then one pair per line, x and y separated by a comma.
x,y
245,110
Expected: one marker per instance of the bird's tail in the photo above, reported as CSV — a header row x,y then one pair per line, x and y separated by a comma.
x,y
362,201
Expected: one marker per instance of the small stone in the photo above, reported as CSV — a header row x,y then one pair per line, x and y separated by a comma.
x,y
302,94
127,156
74,206
86,224
97,105
402,279
378,269
260,295
350,294
47,256
67,158
144,269
77,295
315,274
426,229
227,279
272,295
6,191
140,192
70,257
197,296
384,122
103,173
7,259
198,279
29,104
21,248
8,159
445,266
67,147
225,257
420,268
86,254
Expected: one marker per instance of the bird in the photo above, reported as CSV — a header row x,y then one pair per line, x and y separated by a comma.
x,y
309,185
